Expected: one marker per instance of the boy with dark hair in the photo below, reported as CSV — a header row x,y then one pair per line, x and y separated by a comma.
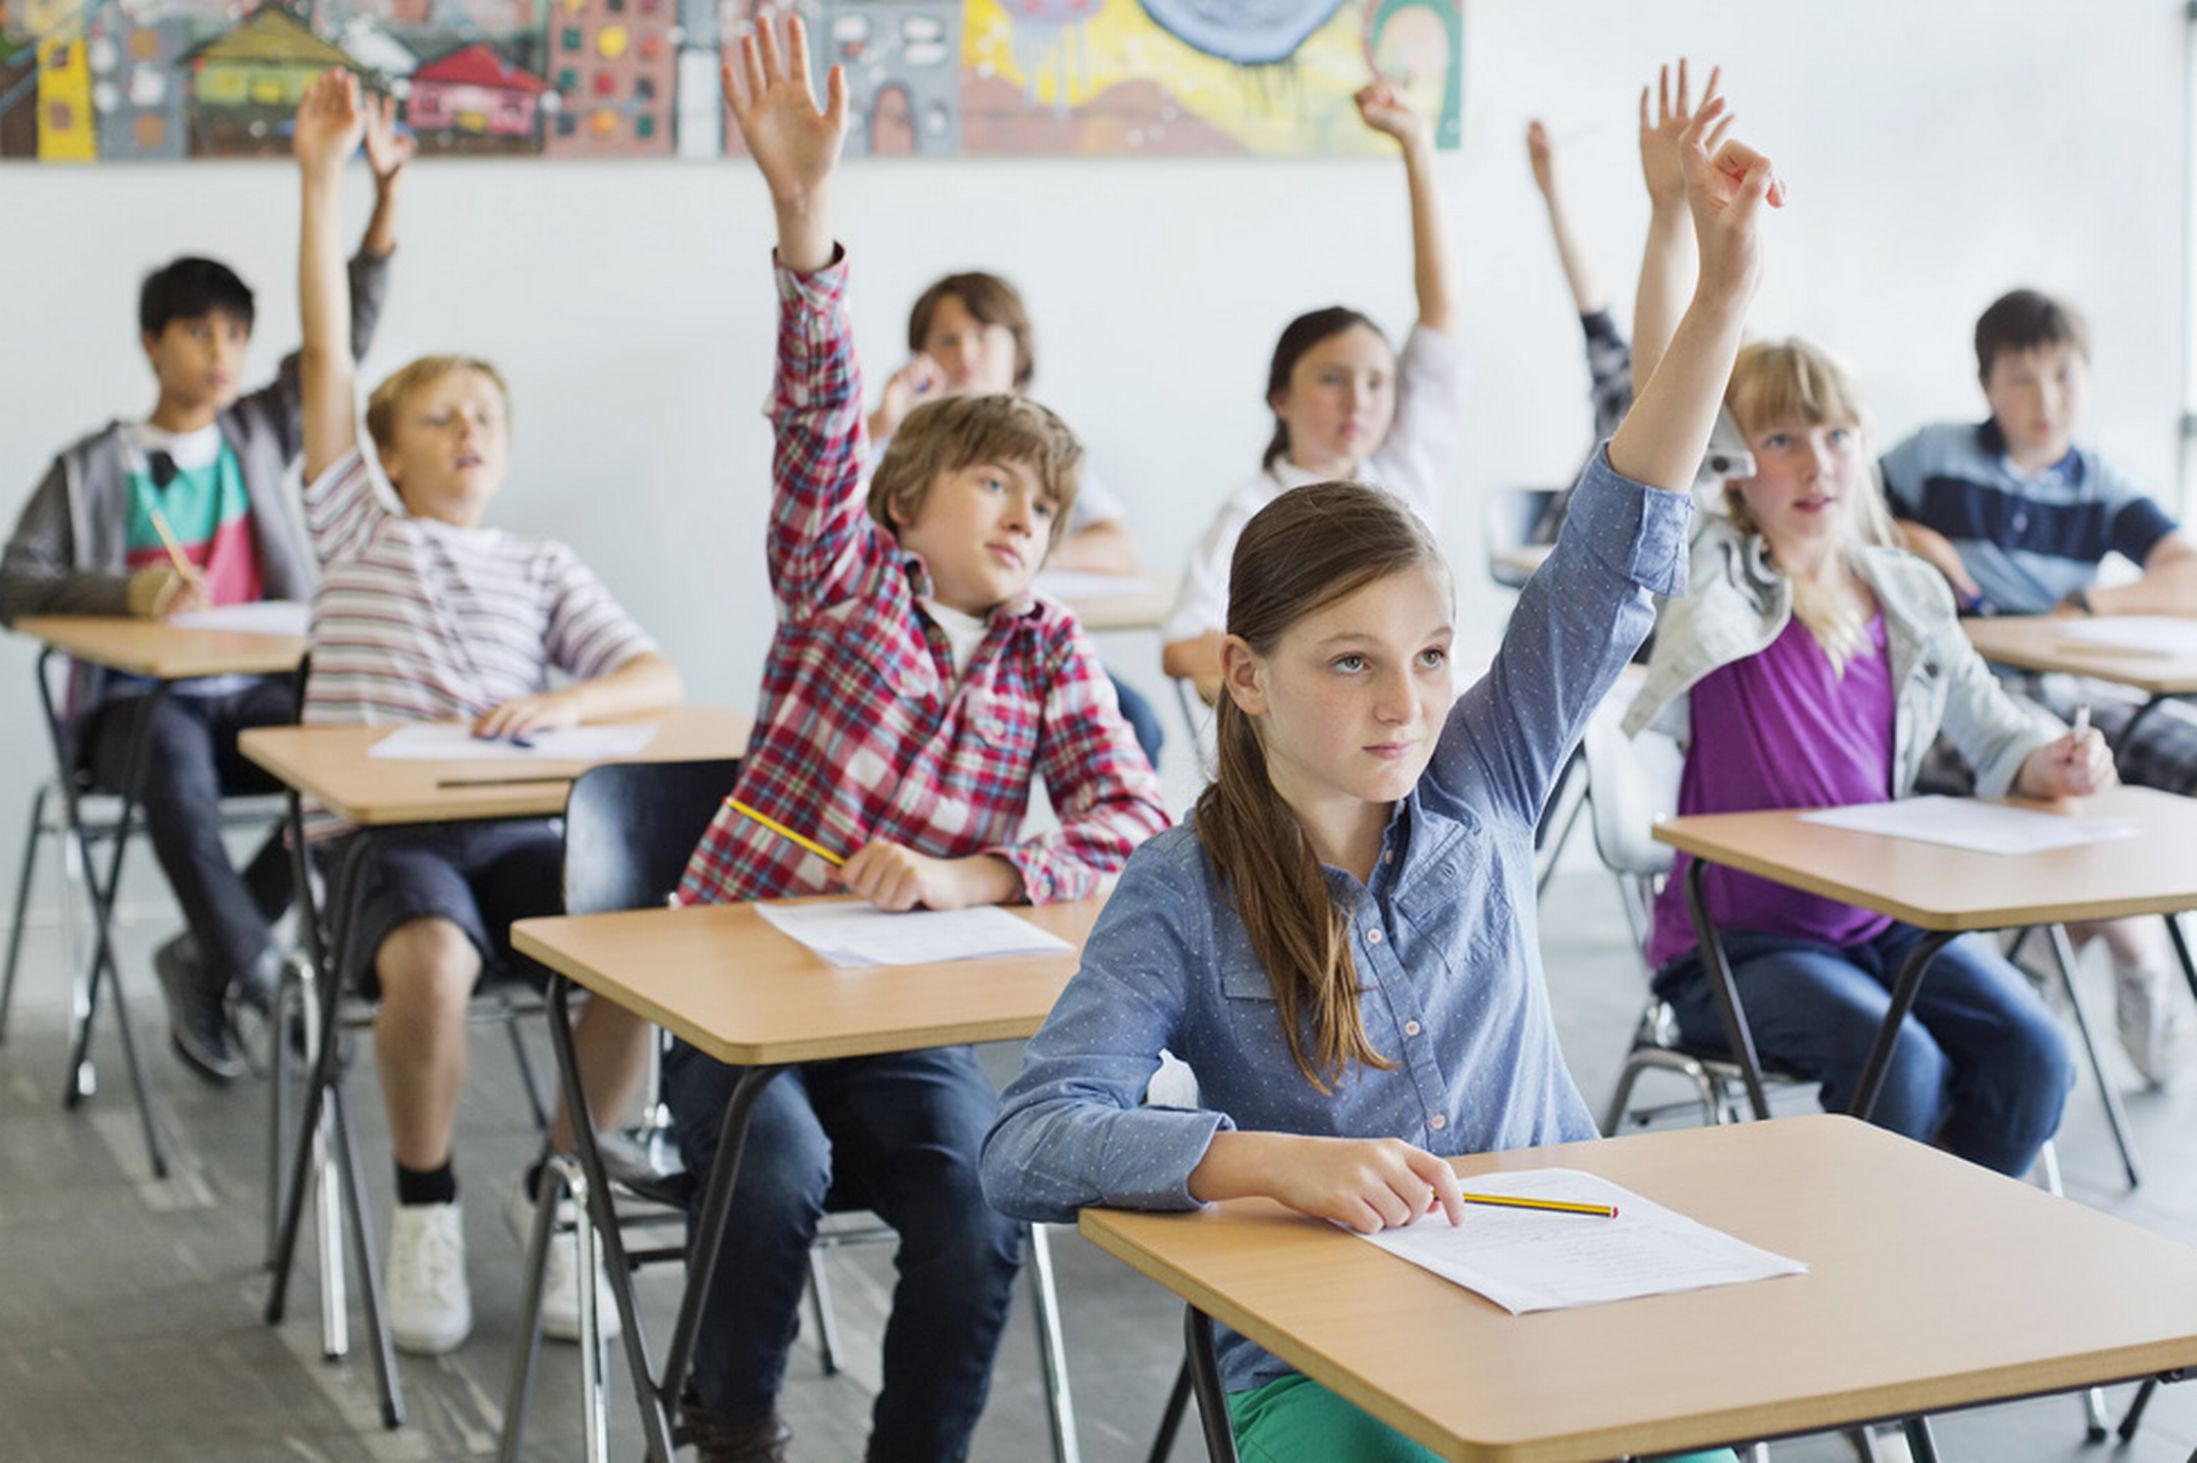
x,y
210,463
2018,517
914,692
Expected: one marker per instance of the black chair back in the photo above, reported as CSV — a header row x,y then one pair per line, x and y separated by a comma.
x,y
630,828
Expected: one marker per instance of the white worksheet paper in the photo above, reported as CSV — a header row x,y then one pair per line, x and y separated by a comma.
x,y
863,934
2140,634
1067,584
293,617
453,741
1530,1260
1968,823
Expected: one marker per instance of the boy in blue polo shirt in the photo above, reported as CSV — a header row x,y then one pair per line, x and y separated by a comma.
x,y
2018,518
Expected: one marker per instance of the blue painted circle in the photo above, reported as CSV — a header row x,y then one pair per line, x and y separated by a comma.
x,y
1246,32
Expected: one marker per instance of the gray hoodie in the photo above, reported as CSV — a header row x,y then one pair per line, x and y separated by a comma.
x,y
66,554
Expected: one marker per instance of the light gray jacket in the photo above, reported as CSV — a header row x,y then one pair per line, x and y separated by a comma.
x,y
66,556
1739,604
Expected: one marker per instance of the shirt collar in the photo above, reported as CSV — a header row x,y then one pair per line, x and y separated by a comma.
x,y
1992,440
1023,606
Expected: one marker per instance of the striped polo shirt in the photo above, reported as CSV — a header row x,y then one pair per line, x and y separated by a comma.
x,y
2028,542
419,620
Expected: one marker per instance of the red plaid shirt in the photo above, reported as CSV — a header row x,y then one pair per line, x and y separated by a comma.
x,y
864,731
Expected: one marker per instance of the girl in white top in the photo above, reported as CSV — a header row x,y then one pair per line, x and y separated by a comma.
x,y
1345,405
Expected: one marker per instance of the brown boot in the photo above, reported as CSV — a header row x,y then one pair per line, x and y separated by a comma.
x,y
716,1440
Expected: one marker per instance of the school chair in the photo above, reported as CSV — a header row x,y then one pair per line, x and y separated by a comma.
x,y
629,830
84,818
307,1027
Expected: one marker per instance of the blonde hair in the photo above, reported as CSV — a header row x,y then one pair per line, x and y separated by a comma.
x,y
1797,380
389,397
954,432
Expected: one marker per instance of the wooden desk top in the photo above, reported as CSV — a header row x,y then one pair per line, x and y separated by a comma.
x,y
330,763
2034,643
723,979
1142,605
1940,888
164,652
1934,1284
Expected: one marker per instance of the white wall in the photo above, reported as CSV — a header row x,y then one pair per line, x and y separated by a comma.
x,y
1937,151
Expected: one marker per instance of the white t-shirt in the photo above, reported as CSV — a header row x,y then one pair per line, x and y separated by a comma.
x,y
189,451
964,633
1416,463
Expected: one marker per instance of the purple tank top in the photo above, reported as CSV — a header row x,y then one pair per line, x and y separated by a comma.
x,y
1782,729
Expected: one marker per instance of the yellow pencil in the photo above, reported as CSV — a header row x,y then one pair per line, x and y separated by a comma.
x,y
786,833
1558,1206
171,543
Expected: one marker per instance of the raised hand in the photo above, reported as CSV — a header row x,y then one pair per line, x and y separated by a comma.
x,y
387,150
331,119
1541,156
917,381
1661,164
1727,184
767,87
1383,108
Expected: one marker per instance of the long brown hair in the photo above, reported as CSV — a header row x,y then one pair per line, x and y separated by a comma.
x,y
1299,554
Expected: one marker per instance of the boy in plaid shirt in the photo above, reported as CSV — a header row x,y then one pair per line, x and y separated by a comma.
x,y
913,690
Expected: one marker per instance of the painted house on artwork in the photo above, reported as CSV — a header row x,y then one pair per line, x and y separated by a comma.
x,y
616,69
473,100
135,86
246,85
66,127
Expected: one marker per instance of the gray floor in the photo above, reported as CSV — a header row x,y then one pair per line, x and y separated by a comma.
x,y
129,1310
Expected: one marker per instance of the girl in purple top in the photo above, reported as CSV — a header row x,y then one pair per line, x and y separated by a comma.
x,y
1811,667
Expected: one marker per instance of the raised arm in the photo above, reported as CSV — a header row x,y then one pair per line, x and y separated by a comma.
x,y
388,151
1667,262
1581,617
795,146
1588,294
1433,280
331,120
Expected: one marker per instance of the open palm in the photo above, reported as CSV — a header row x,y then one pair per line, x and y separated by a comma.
x,y
1660,161
387,149
330,120
794,143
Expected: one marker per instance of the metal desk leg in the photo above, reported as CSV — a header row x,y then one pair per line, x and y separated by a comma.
x,y
1921,1446
2063,951
1205,1382
1178,1398
1737,1035
2181,950
103,967
1880,1054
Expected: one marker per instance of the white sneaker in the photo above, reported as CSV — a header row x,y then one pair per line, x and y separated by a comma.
x,y
560,1268
2156,1026
430,1308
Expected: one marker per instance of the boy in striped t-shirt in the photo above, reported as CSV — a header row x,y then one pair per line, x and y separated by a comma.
x,y
914,692
422,614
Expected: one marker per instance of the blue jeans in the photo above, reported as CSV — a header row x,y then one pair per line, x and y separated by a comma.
x,y
896,1134
1142,719
1979,1068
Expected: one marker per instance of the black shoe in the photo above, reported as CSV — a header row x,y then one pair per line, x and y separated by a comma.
x,y
198,1018
716,1440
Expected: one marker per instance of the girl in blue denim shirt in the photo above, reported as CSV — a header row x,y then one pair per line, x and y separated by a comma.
x,y
1342,943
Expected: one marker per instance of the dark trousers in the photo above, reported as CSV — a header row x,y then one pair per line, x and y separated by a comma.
x,y
191,764
1142,719
896,1134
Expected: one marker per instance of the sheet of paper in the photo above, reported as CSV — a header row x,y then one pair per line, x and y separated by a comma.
x,y
863,934
451,741
1526,1260
262,617
1071,584
1968,823
2137,634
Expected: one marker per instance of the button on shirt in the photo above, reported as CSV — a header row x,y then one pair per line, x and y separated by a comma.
x,y
1448,955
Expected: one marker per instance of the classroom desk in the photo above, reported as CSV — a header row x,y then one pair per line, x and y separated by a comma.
x,y
1906,1309
722,979
2034,643
164,654
1946,891
1129,601
330,764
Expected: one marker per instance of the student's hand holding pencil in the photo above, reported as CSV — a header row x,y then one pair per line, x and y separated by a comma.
x,y
522,716
897,878
2075,766
160,590
1366,1184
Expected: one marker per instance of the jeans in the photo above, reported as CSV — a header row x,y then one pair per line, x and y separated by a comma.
x,y
1979,1068
191,764
896,1134
1142,719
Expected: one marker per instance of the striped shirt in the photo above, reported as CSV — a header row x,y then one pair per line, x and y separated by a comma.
x,y
419,620
865,731
2028,542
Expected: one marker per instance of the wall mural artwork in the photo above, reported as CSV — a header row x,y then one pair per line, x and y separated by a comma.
x,y
162,80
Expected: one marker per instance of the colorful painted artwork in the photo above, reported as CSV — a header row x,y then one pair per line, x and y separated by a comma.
x,y
143,80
